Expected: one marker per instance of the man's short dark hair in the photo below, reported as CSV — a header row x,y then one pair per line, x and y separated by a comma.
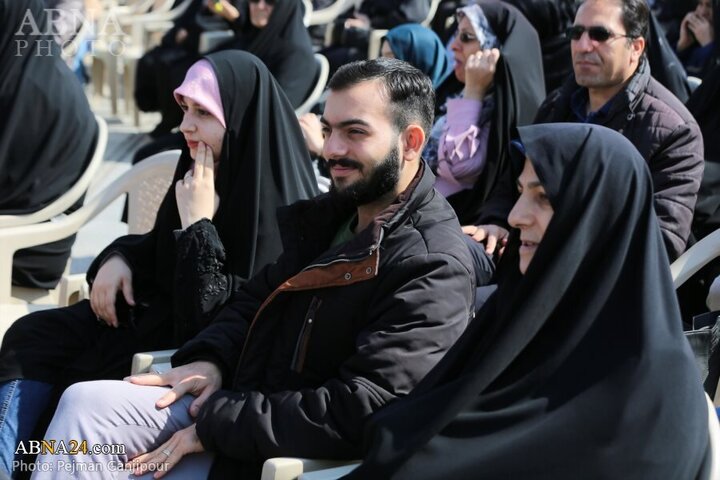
x,y
411,94
635,18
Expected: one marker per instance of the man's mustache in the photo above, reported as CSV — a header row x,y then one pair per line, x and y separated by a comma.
x,y
344,162
587,57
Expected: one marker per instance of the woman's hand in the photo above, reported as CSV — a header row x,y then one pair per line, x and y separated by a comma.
x,y
224,9
195,192
701,28
167,455
479,72
112,276
493,236
312,131
180,36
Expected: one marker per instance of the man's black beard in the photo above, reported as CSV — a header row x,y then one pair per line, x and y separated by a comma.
x,y
381,180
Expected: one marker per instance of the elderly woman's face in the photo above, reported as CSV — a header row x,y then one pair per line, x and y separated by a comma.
x,y
531,214
464,45
260,12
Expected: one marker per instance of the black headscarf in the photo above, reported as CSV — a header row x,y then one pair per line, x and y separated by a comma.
x,y
519,91
665,66
264,165
47,130
579,368
551,18
283,45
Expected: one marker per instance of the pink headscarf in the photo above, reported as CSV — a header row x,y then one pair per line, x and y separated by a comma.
x,y
201,86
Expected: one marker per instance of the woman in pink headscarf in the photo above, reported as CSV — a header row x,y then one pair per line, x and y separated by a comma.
x,y
244,157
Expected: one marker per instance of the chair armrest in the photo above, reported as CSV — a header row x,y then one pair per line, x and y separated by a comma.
x,y
142,362
330,473
72,289
290,468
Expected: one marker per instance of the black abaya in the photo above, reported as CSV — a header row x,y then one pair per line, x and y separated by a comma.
x,y
579,368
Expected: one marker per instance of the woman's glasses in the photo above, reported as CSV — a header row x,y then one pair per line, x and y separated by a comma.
x,y
465,37
269,3
596,33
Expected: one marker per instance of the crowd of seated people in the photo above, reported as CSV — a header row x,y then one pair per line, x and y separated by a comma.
x,y
493,255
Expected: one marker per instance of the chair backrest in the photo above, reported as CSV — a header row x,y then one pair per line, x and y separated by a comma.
x,y
70,49
75,192
145,196
316,93
695,258
212,39
132,182
434,4
307,12
330,13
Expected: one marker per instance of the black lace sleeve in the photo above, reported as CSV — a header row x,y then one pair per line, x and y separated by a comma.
x,y
202,282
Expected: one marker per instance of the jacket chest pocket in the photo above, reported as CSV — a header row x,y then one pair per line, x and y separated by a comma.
x,y
303,340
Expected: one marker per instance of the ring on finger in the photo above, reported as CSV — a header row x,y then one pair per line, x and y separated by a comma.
x,y
167,452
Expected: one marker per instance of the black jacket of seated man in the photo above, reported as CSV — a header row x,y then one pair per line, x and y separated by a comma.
x,y
316,342
663,131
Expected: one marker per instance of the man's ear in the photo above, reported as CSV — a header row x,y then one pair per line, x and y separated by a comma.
x,y
413,140
638,47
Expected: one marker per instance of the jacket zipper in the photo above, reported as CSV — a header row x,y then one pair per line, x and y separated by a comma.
x,y
268,300
303,340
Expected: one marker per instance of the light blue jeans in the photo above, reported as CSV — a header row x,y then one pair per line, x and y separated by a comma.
x,y
21,404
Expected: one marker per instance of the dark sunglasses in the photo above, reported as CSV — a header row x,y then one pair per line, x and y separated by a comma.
x,y
596,33
465,37
269,3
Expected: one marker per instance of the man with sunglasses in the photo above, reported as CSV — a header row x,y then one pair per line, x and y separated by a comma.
x,y
612,86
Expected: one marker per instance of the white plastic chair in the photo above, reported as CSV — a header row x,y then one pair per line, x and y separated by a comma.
x,y
695,258
317,91
67,199
145,184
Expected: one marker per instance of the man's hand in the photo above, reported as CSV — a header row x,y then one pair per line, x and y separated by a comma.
x,y
479,72
112,276
492,235
195,192
167,455
200,379
312,131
